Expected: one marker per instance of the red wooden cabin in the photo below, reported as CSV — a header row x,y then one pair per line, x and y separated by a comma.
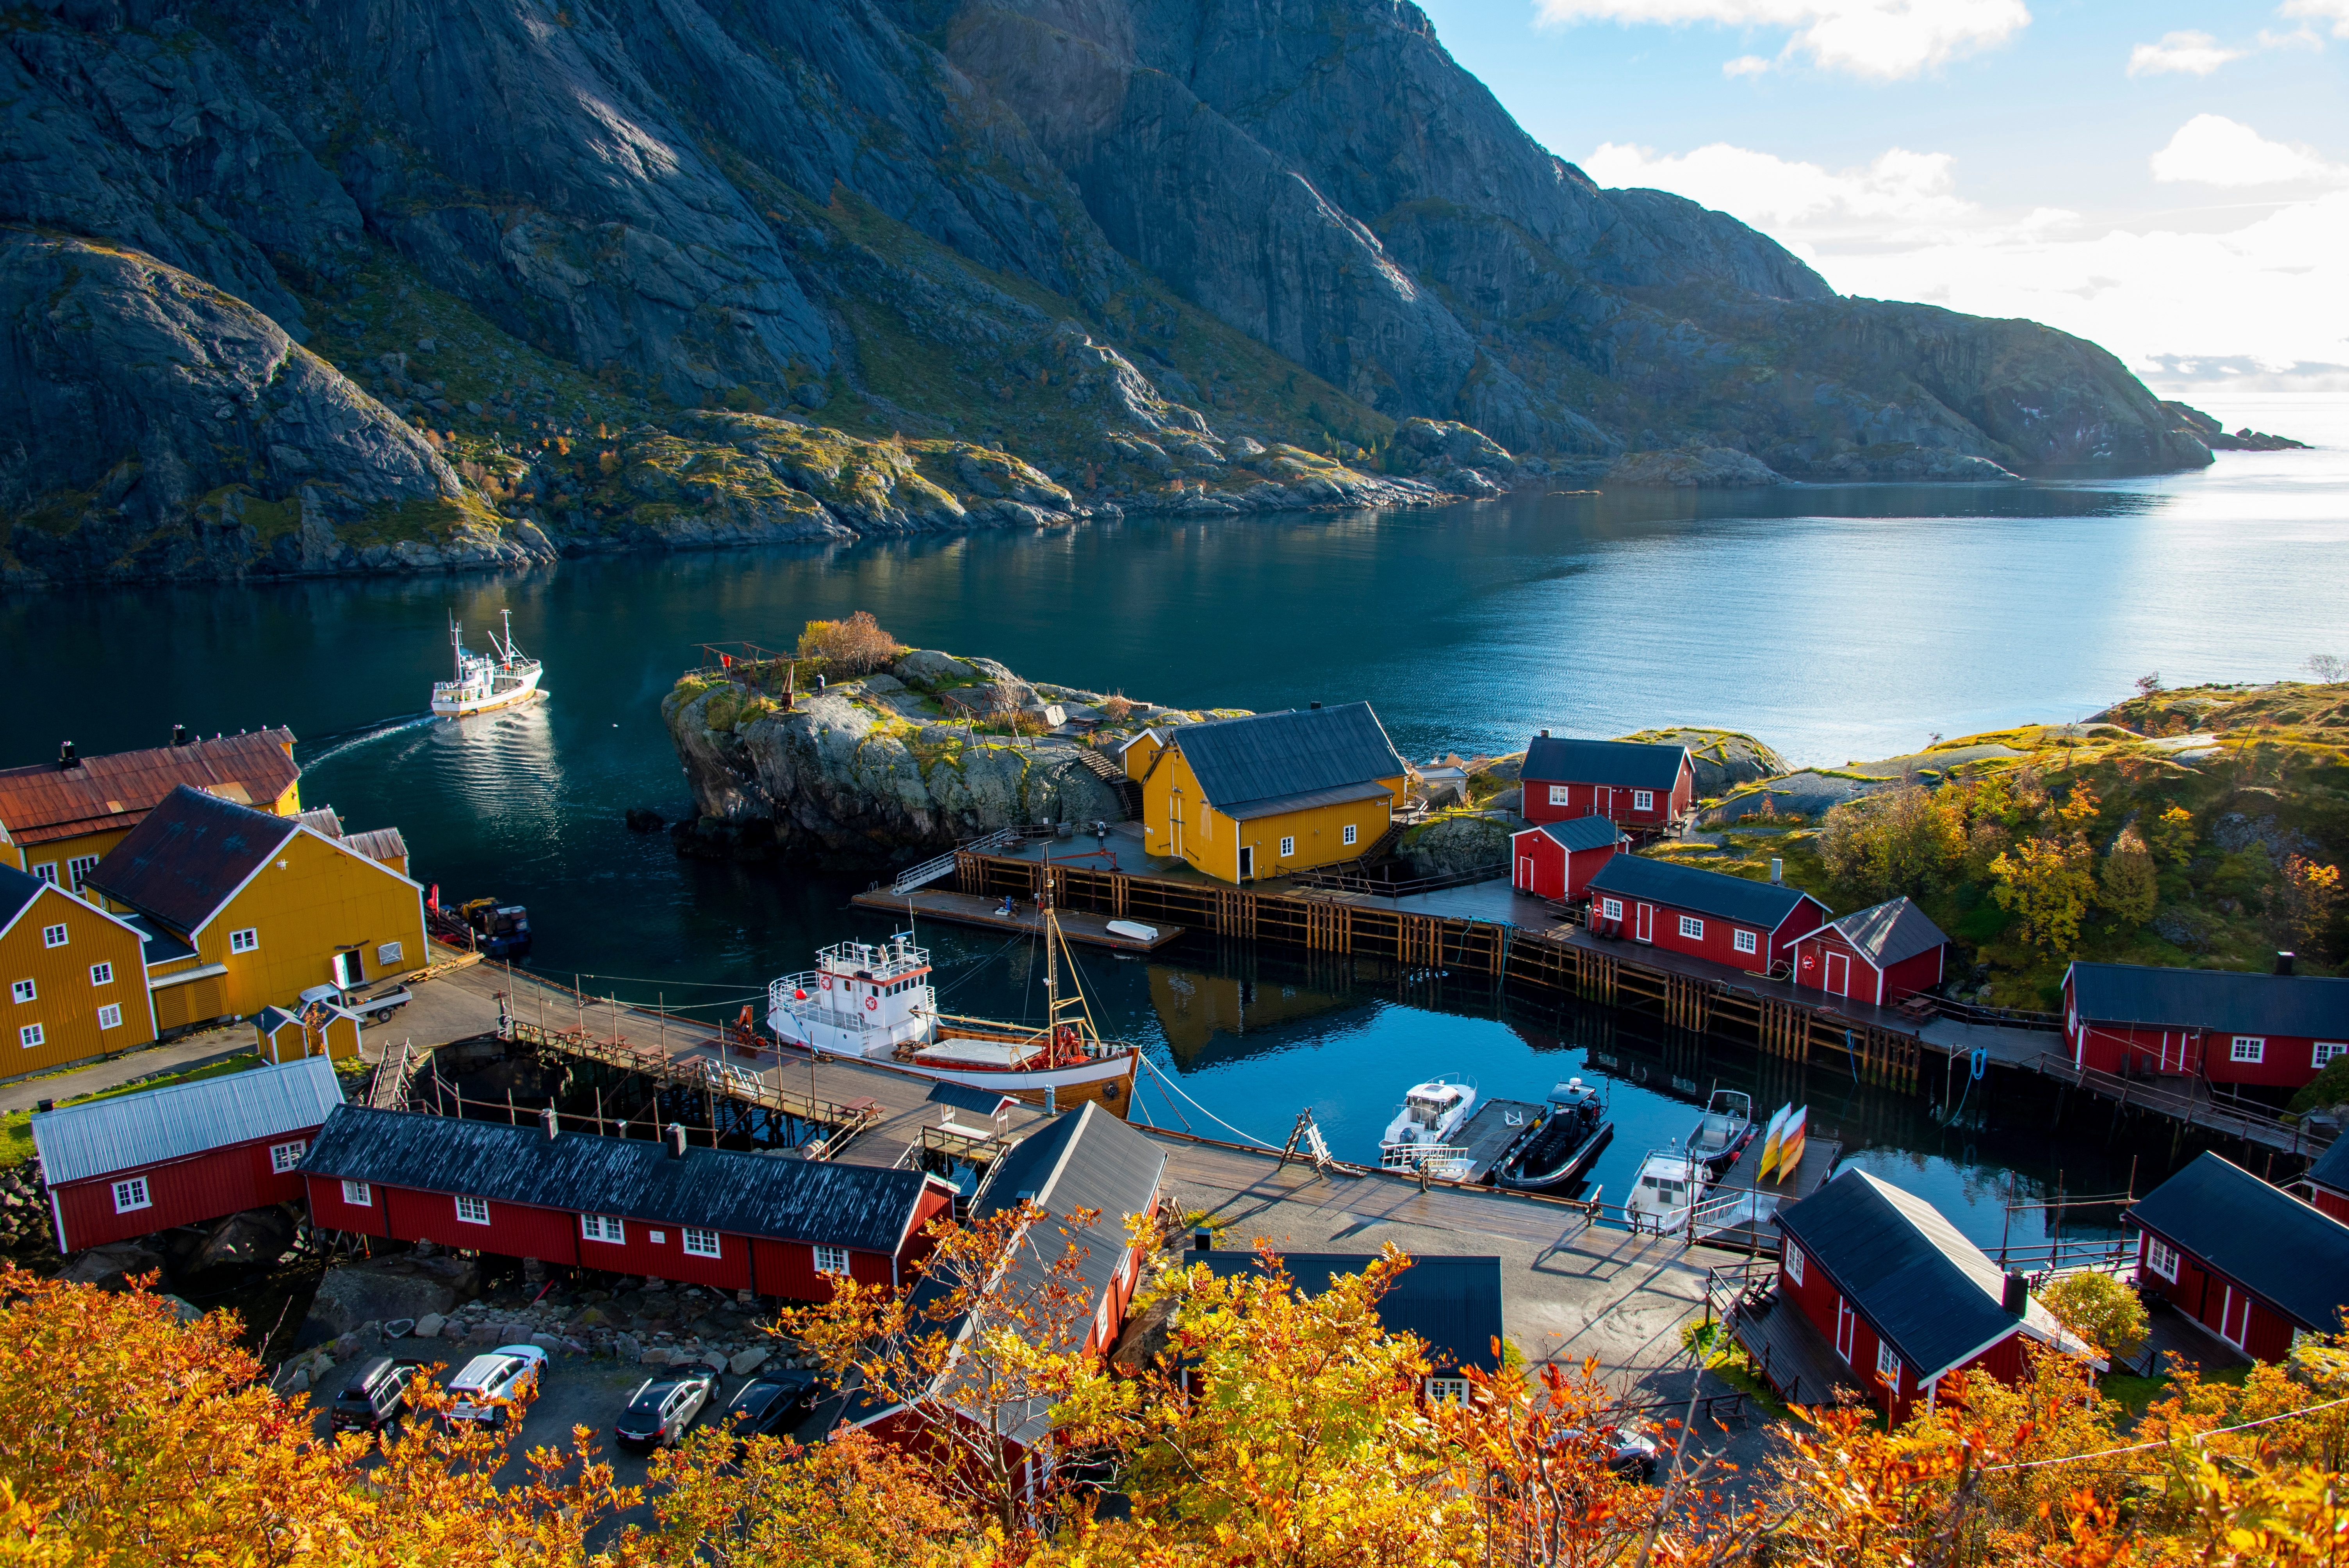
x,y
2328,1180
2275,1030
139,1163
1557,860
653,1207
1730,920
2249,1262
1902,1299
1631,783
1880,954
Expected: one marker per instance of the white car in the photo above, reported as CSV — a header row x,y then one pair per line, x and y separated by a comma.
x,y
493,1380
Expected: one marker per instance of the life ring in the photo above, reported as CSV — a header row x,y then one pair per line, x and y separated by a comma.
x,y
871,1003
827,982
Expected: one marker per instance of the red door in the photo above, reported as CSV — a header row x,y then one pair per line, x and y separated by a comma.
x,y
1839,973
1646,931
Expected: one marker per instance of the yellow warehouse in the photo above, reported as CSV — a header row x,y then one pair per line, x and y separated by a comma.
x,y
58,820
246,910
1244,799
76,975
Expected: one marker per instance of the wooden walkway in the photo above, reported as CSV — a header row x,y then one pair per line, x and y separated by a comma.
x,y
1746,1225
1793,1357
1493,1132
962,909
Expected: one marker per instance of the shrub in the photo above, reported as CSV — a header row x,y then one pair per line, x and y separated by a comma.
x,y
1905,840
1117,707
2131,890
2101,1310
856,647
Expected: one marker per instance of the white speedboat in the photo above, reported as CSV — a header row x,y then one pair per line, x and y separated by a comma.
x,y
1723,1128
1432,1115
487,683
1670,1184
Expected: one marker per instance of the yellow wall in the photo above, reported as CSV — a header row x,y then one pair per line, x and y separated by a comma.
x,y
62,852
1177,822
64,1001
1141,753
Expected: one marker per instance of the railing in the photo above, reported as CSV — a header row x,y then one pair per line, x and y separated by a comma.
x,y
1333,880
943,865
843,1119
780,999
2008,1018
1411,1156
389,1089
2251,1122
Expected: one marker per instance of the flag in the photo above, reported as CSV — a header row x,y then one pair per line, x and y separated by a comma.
x,y
433,898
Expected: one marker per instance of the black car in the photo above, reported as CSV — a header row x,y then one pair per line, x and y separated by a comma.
x,y
374,1397
662,1407
771,1404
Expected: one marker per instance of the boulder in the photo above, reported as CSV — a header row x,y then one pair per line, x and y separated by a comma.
x,y
643,819
253,1236
1693,468
926,667
749,1360
625,1348
184,1310
428,1326
390,1287
1718,760
548,1343
112,1266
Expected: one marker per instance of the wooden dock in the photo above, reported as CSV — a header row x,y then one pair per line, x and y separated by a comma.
x,y
1493,1132
1744,1222
964,909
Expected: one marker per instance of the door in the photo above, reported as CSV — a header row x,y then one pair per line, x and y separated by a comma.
x,y
348,974
1602,801
2235,1317
1525,874
1248,861
1839,973
1845,1318
1646,929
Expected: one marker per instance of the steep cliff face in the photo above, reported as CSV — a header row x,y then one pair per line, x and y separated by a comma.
x,y
1124,240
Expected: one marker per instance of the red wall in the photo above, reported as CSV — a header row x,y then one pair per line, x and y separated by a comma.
x,y
514,1231
207,1186
2201,1294
788,1269
1818,1298
1554,874
1613,802
2328,1202
1918,971
2287,1062
1717,941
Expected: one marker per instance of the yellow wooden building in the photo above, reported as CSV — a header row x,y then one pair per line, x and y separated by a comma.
x,y
58,820
75,974
1244,799
246,910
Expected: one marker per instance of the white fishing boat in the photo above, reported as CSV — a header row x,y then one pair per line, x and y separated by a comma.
x,y
1431,1115
486,683
1670,1184
874,1001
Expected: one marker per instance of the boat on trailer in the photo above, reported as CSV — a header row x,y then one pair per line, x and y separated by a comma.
x,y
484,683
1569,1138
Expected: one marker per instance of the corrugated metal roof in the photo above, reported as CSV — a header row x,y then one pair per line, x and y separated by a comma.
x,y
323,819
1887,932
2291,1255
1924,1287
969,1096
181,1120
1452,1303
1624,764
1274,805
2227,1001
1267,757
191,853
45,801
2332,1170
1581,832
857,1206
1717,893
378,844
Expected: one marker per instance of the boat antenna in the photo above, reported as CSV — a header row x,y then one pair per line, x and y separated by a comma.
x,y
457,641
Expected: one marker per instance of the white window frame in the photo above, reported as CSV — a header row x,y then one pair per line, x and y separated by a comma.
x,y
1745,941
2159,1253
1643,800
1610,909
1887,1366
358,1196
284,1157
1347,834
1793,1262
2325,1051
130,1194
111,1016
1560,795
23,991
47,871
471,1211
30,1036
701,1244
101,973
245,940
55,935
388,953
2249,1049
832,1261
77,870
1447,1391
1288,847
604,1228
1691,928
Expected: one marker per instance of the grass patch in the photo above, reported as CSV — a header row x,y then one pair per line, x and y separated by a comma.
x,y
16,1127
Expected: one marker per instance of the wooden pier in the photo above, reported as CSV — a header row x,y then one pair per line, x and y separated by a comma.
x,y
1493,1134
964,909
1742,1206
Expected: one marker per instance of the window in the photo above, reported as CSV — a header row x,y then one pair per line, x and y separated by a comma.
x,y
701,1244
53,935
356,1193
1558,795
2326,1050
1345,834
1793,1261
30,1036
245,940
657,1237
1643,800
2160,1257
1887,1366
284,1157
1744,941
22,991
1610,909
387,953
603,1228
132,1195
1288,848
474,1211
47,871
101,973
831,1260
1693,928
111,1016
1447,1391
2251,1047
78,869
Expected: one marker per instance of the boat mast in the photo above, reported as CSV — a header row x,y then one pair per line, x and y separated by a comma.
x,y
457,641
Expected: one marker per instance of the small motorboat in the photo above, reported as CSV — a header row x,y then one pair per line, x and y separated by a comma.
x,y
1432,1114
1569,1138
1670,1184
1722,1129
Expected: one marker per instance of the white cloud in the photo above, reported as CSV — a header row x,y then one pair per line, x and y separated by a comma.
x,y
2211,150
2195,54
1900,192
1745,65
1886,39
2336,10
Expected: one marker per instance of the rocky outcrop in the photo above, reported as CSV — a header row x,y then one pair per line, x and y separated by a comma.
x,y
1718,760
2201,426
1691,468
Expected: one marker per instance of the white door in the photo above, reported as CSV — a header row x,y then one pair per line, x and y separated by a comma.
x,y
2235,1317
1524,873
1646,931
1845,1318
1838,974
1602,800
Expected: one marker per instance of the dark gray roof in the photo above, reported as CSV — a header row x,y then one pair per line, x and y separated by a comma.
x,y
2226,1000
968,1097
1763,905
1243,764
1625,764
1581,832
1927,1290
1887,932
2289,1254
192,851
156,945
178,1120
2332,1168
1452,1303
857,1206
17,889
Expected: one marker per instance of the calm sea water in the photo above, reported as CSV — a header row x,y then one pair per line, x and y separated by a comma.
x,y
1836,623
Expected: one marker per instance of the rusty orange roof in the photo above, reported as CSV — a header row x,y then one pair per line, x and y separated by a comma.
x,y
190,857
48,802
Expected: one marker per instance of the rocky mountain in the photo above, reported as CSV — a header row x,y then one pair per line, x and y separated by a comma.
x,y
356,285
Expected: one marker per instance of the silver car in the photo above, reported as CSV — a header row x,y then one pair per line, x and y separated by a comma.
x,y
493,1381
662,1407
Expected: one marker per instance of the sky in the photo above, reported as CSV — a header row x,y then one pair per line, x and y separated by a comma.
x,y
2169,178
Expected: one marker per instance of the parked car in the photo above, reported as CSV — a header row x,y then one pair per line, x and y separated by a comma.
x,y
491,1382
374,1397
662,1407
770,1405
1630,1451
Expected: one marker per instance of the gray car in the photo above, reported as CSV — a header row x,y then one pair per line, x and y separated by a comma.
x,y
662,1407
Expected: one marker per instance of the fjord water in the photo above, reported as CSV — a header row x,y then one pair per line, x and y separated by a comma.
x,y
1834,622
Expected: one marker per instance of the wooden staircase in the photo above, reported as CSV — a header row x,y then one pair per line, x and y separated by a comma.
x,y
1106,768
